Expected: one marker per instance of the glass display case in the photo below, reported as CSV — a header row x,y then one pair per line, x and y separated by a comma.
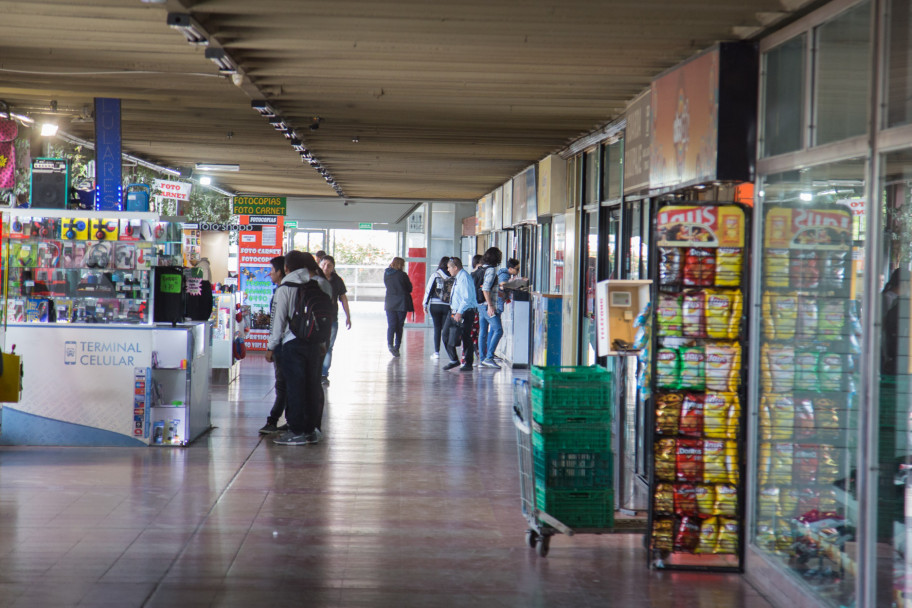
x,y
82,266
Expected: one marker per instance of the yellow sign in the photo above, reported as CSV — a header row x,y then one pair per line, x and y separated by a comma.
x,y
259,205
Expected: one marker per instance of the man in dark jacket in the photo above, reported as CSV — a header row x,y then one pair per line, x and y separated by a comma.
x,y
398,303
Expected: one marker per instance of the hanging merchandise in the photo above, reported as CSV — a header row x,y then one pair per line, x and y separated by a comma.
x,y
696,516
8,132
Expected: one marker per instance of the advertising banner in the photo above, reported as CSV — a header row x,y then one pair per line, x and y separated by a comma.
x,y
176,190
259,240
637,140
700,226
259,205
108,165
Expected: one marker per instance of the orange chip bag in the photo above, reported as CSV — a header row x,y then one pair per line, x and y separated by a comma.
x,y
728,536
726,503
689,460
722,366
714,469
706,499
709,532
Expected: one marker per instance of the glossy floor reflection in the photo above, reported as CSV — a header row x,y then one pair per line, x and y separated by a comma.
x,y
412,500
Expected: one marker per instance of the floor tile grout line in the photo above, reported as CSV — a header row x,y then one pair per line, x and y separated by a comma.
x,y
201,523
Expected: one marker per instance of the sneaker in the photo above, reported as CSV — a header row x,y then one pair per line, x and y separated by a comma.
x,y
302,439
395,351
268,429
435,356
465,368
451,365
283,428
324,381
283,436
490,363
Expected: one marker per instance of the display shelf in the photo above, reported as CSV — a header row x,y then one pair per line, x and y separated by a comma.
x,y
127,215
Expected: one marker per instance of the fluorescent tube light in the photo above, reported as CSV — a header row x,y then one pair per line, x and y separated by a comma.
x,y
189,27
216,167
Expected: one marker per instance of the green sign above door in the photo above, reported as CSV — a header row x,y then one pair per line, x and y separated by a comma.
x,y
365,226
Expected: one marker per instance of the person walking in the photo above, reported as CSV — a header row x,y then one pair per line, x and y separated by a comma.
x,y
300,361
398,303
276,274
477,261
490,328
328,265
462,315
434,304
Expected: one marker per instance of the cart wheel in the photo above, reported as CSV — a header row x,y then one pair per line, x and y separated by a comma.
x,y
544,543
531,538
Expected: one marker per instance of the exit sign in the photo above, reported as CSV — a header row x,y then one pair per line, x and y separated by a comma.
x,y
365,226
291,224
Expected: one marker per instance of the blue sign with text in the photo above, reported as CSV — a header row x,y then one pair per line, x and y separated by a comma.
x,y
108,179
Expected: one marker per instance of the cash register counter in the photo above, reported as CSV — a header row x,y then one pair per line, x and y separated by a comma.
x,y
109,385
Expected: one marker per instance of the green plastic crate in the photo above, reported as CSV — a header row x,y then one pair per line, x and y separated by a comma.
x,y
569,391
578,434
574,470
577,508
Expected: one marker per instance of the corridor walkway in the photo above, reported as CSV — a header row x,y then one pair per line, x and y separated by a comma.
x,y
411,500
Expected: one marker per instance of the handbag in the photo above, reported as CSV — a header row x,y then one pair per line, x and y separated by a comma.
x,y
454,335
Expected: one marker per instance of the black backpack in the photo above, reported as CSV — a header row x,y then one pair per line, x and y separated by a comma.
x,y
312,313
478,278
443,288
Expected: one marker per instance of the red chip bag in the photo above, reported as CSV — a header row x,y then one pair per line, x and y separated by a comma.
x,y
689,460
700,267
685,499
691,422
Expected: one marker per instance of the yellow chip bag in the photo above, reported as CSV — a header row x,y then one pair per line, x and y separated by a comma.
x,y
706,499
728,536
777,369
722,366
714,465
782,316
768,502
716,408
726,503
776,267
788,502
729,263
766,534
781,467
732,461
765,462
782,413
709,533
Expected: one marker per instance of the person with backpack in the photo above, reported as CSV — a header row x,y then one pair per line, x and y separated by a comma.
x,y
397,303
437,300
301,327
490,328
276,274
462,315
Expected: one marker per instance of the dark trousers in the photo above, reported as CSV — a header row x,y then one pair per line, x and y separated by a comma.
x,y
278,408
395,322
439,313
301,364
468,320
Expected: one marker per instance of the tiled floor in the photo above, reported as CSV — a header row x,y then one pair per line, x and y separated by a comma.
x,y
412,500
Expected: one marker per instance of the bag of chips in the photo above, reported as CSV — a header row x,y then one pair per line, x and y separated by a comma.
x,y
664,498
691,423
766,535
668,368
827,418
768,502
732,462
670,266
832,323
765,415
722,367
714,466
689,460
665,459
805,427
717,415
777,367
827,465
764,463
669,314
788,502
728,536
831,371
685,499
693,368
693,311
782,414
699,267
805,464
834,270
709,533
663,534
726,503
807,317
804,273
806,369
729,263
780,314
706,499
723,313
688,536
783,461
776,267
668,413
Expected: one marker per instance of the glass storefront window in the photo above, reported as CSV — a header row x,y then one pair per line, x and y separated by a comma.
x,y
559,247
894,448
899,64
783,97
843,75
590,278
591,176
811,262
612,170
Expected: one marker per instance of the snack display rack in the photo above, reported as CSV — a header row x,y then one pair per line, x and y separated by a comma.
x,y
809,350
698,387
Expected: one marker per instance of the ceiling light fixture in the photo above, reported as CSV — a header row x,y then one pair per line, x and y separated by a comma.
x,y
48,129
278,123
262,106
189,27
217,167
205,180
297,145
220,58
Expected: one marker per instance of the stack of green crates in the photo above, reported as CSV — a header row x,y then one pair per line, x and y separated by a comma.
x,y
571,445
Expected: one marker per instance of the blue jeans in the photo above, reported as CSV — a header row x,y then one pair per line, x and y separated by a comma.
x,y
328,359
490,331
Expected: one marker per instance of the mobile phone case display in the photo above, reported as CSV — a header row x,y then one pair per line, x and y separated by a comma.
x,y
696,510
190,246
82,269
226,328
180,407
808,353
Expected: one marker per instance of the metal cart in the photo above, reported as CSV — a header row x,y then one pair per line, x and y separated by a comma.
x,y
541,525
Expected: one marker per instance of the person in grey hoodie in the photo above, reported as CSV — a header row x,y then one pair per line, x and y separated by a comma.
x,y
301,362
398,303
